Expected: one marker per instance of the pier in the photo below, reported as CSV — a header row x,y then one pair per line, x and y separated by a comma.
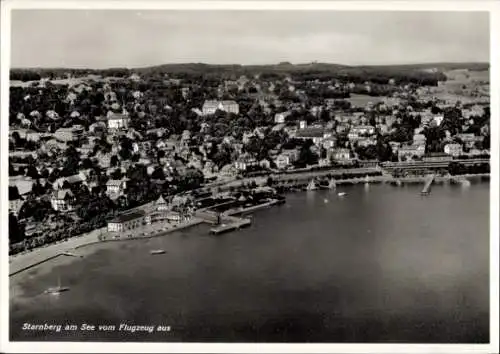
x,y
230,224
428,182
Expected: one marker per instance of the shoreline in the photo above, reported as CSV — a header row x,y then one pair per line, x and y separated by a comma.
x,y
21,262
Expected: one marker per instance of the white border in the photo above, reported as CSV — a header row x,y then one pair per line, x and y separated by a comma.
x,y
45,347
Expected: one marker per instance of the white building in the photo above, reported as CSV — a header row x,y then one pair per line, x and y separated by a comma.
x,y
118,121
211,106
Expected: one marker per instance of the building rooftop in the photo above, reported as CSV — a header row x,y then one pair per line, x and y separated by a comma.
x,y
129,216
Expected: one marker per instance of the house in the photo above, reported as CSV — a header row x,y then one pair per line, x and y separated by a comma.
x,y
115,188
15,204
364,142
339,154
419,139
62,200
469,140
211,106
73,180
244,162
453,149
363,130
73,133
118,121
317,135
409,151
126,222
394,146
330,142
438,119
281,117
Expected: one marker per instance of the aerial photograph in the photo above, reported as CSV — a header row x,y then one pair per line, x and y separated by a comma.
x,y
249,176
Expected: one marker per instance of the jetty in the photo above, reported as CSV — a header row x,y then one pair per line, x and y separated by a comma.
x,y
230,224
427,187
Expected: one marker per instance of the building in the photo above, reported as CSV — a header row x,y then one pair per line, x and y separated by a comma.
x,y
436,157
469,140
244,162
419,139
280,118
211,106
126,222
339,154
363,130
160,212
62,200
438,119
317,135
118,121
453,149
15,204
73,133
115,188
286,158
408,152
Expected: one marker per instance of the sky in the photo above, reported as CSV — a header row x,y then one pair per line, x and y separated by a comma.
x,y
129,38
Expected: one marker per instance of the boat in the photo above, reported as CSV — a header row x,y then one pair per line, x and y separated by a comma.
x,y
312,186
57,289
341,194
325,201
153,252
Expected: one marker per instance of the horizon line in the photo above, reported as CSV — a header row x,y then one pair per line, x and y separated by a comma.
x,y
284,63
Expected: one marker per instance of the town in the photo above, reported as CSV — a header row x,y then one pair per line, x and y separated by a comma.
x,y
137,152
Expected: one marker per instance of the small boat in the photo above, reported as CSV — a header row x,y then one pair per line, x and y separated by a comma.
x,y
312,186
153,252
325,200
57,289
341,194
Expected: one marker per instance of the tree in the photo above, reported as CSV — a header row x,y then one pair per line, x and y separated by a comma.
x,y
16,231
114,161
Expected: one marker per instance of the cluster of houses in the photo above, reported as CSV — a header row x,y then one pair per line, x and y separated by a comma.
x,y
354,127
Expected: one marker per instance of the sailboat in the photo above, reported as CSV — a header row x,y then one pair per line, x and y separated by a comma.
x,y
58,289
312,186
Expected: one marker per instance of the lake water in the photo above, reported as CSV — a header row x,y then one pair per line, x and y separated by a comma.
x,y
382,264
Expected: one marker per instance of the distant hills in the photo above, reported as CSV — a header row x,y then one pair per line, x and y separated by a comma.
x,y
308,70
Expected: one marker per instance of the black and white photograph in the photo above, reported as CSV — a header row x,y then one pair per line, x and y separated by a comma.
x,y
258,175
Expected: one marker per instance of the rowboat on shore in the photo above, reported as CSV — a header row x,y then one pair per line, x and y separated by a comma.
x,y
153,252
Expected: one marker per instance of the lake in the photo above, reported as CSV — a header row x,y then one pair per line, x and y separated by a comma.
x,y
381,264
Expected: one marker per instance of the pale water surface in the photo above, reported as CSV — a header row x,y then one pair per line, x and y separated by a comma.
x,y
381,264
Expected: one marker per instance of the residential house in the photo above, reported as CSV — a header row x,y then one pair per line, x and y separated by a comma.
x,y
469,140
339,154
73,180
438,119
281,117
244,162
211,106
419,139
118,121
363,130
286,158
317,135
115,188
330,142
62,200
15,204
407,152
73,133
453,149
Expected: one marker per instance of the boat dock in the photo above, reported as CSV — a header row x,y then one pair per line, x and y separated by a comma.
x,y
232,224
427,187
